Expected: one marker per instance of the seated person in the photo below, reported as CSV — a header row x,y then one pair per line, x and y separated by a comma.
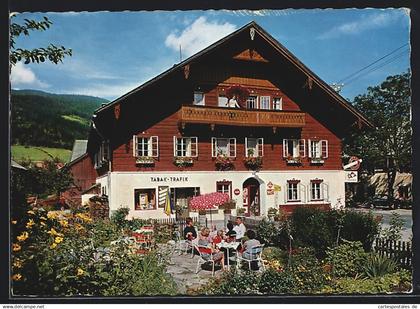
x,y
230,234
204,240
189,231
218,238
249,244
240,228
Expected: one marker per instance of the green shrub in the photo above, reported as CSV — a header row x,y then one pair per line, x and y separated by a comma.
x,y
393,232
118,217
396,282
274,254
267,232
346,259
378,266
233,283
274,282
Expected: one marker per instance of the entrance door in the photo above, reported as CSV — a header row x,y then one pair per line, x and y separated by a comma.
x,y
251,194
181,198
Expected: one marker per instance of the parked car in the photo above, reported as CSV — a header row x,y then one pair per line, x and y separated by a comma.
x,y
380,201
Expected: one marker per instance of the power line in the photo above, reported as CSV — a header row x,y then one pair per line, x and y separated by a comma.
x,y
376,61
378,66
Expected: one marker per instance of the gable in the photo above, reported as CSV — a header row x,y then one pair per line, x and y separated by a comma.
x,y
250,54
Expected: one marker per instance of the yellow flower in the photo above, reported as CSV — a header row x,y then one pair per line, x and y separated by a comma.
x,y
57,240
17,264
31,212
53,245
51,215
23,236
54,233
43,224
17,277
43,218
14,221
30,223
16,247
64,223
80,272
84,217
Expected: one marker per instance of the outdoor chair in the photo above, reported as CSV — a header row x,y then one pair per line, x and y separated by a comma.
x,y
256,256
183,245
204,257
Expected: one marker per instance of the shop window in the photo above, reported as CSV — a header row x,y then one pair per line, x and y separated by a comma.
x,y
224,187
145,199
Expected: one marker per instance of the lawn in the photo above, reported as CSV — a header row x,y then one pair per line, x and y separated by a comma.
x,y
33,153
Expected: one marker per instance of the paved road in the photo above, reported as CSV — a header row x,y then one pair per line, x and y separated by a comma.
x,y
405,214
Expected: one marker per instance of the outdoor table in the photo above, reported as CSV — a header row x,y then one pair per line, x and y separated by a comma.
x,y
228,246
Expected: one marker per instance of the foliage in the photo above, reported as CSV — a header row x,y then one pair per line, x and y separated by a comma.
x,y
233,283
52,53
65,253
118,217
396,224
224,163
253,163
376,265
395,282
183,161
26,153
38,118
240,211
347,259
271,234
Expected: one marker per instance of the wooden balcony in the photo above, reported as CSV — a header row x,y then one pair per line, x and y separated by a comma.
x,y
241,117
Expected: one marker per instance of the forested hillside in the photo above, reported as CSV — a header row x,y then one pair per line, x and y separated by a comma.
x,y
50,120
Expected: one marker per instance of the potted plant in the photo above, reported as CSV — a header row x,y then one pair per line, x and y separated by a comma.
x,y
240,211
145,160
223,163
253,163
228,206
317,160
183,161
293,160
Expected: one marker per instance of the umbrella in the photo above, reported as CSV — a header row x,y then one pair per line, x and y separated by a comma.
x,y
208,201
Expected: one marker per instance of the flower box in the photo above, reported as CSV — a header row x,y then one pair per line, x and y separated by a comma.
x,y
294,160
145,160
317,161
183,161
223,163
253,163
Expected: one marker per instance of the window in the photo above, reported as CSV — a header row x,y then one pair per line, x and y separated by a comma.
x,y
293,191
293,148
318,190
103,154
223,101
185,147
145,146
318,148
278,103
264,102
252,102
223,146
144,199
224,187
254,147
198,98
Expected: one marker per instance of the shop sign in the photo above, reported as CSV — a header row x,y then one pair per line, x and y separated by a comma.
x,y
236,191
270,185
169,179
277,188
270,191
351,176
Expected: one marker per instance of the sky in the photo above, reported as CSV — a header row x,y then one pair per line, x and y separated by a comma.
x,y
114,52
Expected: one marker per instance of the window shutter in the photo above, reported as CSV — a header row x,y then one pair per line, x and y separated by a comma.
x,y
324,148
302,148
309,149
324,191
301,192
154,144
286,192
213,147
260,147
285,150
246,147
232,147
175,146
281,103
135,146
194,147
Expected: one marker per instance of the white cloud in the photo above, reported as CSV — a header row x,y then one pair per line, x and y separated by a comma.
x,y
367,22
23,76
200,34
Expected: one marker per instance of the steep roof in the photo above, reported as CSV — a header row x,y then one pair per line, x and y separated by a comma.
x,y
276,45
79,149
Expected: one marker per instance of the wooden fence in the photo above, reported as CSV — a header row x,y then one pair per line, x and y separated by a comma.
x,y
181,223
400,251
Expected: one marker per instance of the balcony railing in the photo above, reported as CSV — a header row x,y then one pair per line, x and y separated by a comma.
x,y
232,116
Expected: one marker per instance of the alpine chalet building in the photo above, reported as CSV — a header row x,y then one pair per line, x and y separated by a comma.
x,y
243,116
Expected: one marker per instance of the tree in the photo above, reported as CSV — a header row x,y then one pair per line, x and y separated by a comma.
x,y
52,53
388,145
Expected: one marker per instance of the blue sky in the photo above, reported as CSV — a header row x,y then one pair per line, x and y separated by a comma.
x,y
114,52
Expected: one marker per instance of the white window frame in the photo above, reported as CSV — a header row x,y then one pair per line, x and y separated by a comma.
x,y
259,147
231,146
202,102
278,105
323,187
225,104
255,102
226,187
321,150
300,192
152,146
261,100
314,191
103,154
189,143
299,149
